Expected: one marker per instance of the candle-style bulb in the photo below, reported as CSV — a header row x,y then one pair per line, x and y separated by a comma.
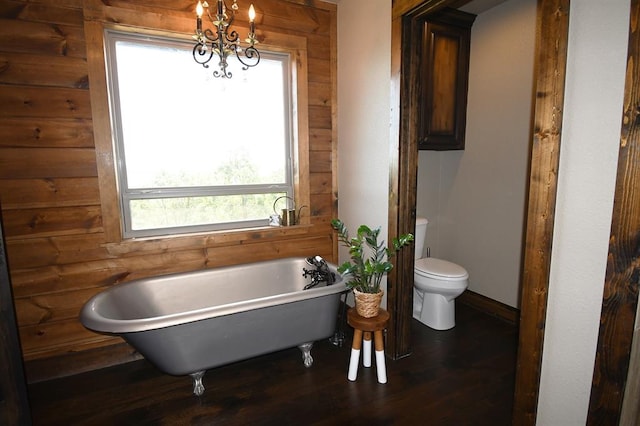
x,y
252,13
199,9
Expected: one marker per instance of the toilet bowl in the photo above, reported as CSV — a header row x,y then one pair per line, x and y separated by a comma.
x,y
436,284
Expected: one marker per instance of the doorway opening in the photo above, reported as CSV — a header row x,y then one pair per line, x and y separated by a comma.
x,y
549,76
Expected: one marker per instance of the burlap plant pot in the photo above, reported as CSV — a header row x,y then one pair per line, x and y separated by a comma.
x,y
367,304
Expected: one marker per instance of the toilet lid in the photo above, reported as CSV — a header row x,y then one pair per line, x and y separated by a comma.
x,y
438,268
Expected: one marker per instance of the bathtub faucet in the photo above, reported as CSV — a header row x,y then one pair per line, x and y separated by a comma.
x,y
320,274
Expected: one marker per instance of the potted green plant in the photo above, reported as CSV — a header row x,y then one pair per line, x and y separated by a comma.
x,y
370,261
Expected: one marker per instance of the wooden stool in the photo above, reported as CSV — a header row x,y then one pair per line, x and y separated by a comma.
x,y
362,328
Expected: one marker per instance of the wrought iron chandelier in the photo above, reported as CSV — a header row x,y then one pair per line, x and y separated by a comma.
x,y
223,40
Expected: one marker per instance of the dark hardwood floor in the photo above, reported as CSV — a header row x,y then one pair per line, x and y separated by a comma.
x,y
464,376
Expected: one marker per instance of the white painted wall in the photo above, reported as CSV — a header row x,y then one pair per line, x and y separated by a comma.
x,y
598,34
364,75
475,198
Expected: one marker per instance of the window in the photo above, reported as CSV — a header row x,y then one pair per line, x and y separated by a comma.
x,y
193,152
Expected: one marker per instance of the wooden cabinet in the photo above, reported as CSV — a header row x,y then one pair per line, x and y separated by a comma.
x,y
444,75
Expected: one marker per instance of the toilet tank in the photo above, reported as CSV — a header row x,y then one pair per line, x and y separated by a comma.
x,y
420,235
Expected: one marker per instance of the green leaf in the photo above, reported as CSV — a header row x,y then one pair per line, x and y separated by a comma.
x,y
369,258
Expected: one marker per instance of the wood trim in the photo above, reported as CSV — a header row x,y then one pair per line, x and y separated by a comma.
x,y
316,4
392,345
300,84
630,409
551,55
105,161
69,364
620,300
405,7
334,120
490,306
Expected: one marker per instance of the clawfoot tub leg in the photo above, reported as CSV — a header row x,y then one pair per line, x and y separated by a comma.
x,y
306,353
198,387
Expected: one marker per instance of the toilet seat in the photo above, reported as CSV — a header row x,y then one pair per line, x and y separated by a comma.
x,y
438,269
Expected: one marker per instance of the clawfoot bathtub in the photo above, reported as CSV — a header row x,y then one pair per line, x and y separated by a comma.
x,y
190,322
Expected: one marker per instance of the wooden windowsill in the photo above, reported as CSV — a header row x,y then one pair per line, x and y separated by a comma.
x,y
206,239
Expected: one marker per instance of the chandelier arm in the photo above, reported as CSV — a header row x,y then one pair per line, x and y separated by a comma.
x,y
232,37
252,54
210,36
201,54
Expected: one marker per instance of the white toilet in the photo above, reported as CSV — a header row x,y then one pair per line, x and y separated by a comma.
x,y
436,284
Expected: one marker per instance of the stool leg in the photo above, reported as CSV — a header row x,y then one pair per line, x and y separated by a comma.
x,y
381,367
355,355
366,349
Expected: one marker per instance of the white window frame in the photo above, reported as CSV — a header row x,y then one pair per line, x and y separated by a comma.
x,y
127,194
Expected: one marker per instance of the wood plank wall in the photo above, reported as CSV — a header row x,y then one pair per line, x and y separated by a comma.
x,y
58,253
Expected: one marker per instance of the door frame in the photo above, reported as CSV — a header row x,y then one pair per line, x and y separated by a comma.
x,y
614,395
549,74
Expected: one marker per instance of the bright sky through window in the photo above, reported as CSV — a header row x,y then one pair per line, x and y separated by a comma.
x,y
178,120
